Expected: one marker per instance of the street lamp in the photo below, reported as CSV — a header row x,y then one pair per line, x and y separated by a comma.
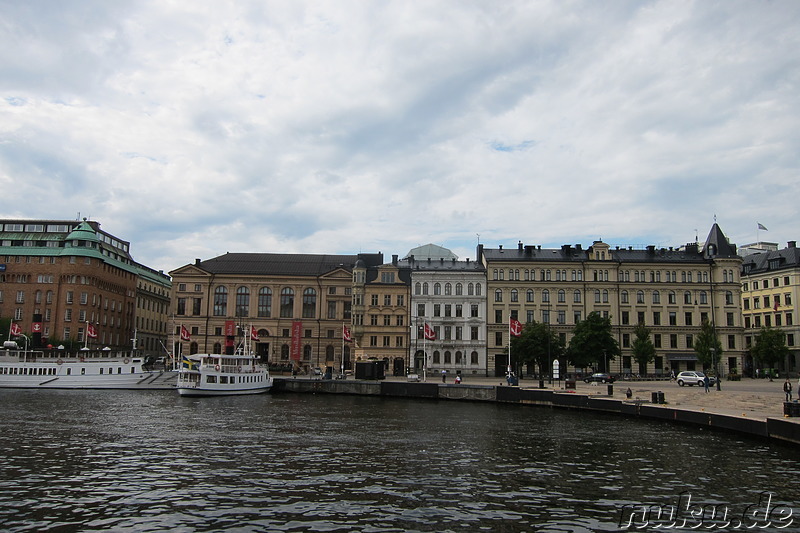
x,y
714,364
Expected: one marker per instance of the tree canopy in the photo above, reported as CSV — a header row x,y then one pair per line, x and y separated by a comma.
x,y
770,347
705,341
538,344
592,342
642,347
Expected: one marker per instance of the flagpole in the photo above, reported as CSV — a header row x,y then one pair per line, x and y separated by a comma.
x,y
509,346
86,337
341,366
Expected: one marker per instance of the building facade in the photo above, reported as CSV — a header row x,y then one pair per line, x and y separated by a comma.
x,y
449,297
671,291
380,314
770,288
60,278
296,304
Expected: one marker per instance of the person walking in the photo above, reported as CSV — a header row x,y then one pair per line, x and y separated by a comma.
x,y
706,382
787,389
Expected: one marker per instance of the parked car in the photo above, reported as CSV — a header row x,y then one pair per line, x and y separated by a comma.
x,y
599,377
690,377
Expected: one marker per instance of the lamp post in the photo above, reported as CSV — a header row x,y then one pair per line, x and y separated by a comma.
x,y
714,365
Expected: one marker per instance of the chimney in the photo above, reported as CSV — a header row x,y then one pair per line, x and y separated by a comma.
x,y
579,247
501,247
394,259
791,244
519,246
651,249
197,261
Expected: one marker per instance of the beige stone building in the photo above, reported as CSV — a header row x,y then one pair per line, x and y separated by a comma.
x,y
672,291
297,304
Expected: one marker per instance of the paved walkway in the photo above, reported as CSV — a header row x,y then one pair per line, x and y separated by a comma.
x,y
750,398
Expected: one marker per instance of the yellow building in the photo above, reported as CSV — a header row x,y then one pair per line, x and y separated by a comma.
x,y
770,288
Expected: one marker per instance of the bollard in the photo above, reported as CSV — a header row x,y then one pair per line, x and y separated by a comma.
x,y
653,397
611,390
541,383
661,398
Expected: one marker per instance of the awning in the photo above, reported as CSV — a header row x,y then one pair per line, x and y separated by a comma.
x,y
682,356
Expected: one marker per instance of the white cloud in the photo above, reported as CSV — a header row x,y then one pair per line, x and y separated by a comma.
x,y
192,129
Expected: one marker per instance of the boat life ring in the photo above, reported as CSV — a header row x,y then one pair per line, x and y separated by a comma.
x,y
126,360
216,368
59,362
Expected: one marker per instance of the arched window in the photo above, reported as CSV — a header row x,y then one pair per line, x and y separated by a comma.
x,y
287,302
265,302
514,295
307,352
605,295
576,296
671,297
437,289
418,288
284,352
546,296
562,296
639,297
425,288
242,301
656,297
220,301
459,289
597,296
329,353
703,297
687,297
477,289
309,303
470,289
624,297
729,298
448,289
529,295
498,295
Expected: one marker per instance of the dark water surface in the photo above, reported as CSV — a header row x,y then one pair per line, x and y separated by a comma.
x,y
153,461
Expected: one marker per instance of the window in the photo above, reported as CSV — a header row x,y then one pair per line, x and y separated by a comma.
x,y
672,298
287,302
514,295
265,302
639,297
562,296
546,296
498,295
688,318
242,301
387,299
687,298
624,297
529,296
220,301
656,297
576,296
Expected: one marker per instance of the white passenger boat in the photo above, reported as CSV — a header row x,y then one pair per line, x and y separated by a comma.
x,y
86,369
221,375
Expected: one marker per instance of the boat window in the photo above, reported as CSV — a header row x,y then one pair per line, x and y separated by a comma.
x,y
101,371
83,371
69,371
119,370
211,379
223,379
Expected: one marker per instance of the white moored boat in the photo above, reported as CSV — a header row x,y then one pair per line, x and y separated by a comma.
x,y
86,369
221,375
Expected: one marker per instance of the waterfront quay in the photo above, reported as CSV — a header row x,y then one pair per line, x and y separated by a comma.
x,y
751,406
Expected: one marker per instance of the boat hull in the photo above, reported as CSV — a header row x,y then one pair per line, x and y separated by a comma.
x,y
197,391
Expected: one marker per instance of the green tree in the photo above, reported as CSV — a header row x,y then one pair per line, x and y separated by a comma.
x,y
770,347
642,348
538,344
592,342
706,340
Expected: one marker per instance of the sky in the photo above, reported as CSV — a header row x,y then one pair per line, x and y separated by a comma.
x,y
195,128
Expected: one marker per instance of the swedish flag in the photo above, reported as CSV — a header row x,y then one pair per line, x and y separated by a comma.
x,y
189,364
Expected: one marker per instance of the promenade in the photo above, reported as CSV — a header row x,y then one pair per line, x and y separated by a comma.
x,y
756,399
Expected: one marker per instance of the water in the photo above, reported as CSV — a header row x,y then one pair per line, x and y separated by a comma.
x,y
152,461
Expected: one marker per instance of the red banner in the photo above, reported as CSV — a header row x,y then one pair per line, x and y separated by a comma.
x,y
230,328
297,341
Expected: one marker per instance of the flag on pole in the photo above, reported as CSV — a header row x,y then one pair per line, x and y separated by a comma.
x,y
346,335
91,331
15,329
515,327
185,334
430,334
761,226
253,333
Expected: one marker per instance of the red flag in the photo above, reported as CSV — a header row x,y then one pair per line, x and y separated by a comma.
x,y
185,334
346,335
253,333
91,331
430,333
515,327
15,329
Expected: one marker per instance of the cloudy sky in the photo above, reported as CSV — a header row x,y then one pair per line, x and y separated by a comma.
x,y
195,128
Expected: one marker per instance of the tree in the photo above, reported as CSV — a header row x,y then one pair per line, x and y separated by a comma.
x,y
706,340
642,348
770,347
592,342
538,344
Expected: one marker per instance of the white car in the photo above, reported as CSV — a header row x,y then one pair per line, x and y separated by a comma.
x,y
690,377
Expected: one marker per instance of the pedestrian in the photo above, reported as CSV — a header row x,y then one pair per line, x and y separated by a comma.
x,y
787,388
444,376
706,382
